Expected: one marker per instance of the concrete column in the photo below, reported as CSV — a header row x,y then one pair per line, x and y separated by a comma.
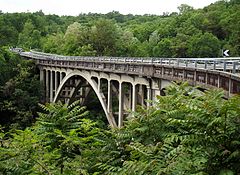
x,y
120,113
82,95
206,78
109,101
41,75
130,97
61,77
229,87
141,93
195,77
133,98
47,86
155,88
51,86
99,85
218,83
56,82
149,95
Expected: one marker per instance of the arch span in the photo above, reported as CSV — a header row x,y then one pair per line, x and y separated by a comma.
x,y
94,86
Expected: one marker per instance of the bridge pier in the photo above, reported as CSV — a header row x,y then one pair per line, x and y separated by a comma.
x,y
156,88
120,107
66,85
109,101
133,97
51,86
230,87
56,82
41,72
47,86
149,96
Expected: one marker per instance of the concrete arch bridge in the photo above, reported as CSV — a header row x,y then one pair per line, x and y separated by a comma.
x,y
122,83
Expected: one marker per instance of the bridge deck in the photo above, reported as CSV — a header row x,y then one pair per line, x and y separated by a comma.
x,y
210,72
231,64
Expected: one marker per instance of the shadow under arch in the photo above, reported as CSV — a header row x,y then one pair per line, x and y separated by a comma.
x,y
87,76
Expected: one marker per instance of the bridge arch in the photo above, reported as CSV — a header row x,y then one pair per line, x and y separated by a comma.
x,y
94,86
154,74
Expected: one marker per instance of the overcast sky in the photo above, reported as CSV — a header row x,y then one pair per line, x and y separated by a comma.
x,y
75,7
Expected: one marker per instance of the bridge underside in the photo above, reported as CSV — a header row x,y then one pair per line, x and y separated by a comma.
x,y
118,94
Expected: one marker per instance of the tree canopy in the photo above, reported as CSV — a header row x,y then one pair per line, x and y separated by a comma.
x,y
188,33
186,131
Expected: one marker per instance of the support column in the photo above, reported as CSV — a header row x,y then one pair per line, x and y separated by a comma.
x,y
229,87
99,85
109,102
47,86
56,81
155,88
218,83
206,78
195,77
130,97
51,86
133,98
41,75
120,113
82,95
60,77
149,95
141,93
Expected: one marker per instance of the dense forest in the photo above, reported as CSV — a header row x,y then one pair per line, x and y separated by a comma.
x,y
188,33
187,131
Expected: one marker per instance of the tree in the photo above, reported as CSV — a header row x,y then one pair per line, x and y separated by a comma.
x,y
184,8
25,35
54,43
127,44
8,33
204,45
62,127
104,35
76,40
163,49
20,91
63,138
185,132
36,39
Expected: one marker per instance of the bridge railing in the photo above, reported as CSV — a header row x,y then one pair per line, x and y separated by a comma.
x,y
221,64
218,72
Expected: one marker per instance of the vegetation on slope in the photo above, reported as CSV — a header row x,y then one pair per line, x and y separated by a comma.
x,y
183,133
188,33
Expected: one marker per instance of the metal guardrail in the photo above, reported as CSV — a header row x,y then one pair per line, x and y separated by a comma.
x,y
230,64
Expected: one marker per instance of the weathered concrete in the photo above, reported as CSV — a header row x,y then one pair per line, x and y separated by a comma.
x,y
70,77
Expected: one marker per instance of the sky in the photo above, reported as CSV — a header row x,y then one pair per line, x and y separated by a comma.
x,y
75,7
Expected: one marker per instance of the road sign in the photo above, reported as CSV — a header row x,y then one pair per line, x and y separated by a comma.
x,y
225,53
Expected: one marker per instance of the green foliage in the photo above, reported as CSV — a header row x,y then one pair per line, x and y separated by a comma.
x,y
57,144
189,33
104,36
163,49
206,45
185,132
20,90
